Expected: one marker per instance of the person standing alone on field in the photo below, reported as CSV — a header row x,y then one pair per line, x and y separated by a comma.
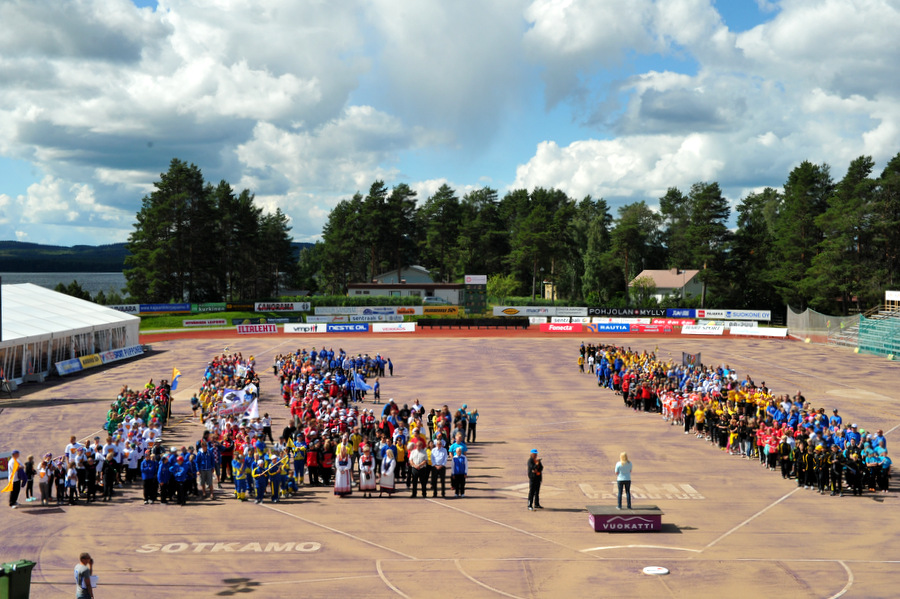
x,y
623,478
83,572
535,476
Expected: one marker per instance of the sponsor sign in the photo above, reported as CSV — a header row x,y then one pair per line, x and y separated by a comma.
x,y
759,332
650,328
549,327
400,327
672,322
735,314
608,328
571,311
626,312
237,321
281,307
208,322
241,307
129,308
476,280
603,522
324,319
154,308
90,361
237,547
121,354
583,319
331,310
702,329
560,319
524,311
607,319
210,307
377,311
537,319
419,310
732,324
248,329
680,313
68,366
441,310
305,328
348,328
376,318
892,296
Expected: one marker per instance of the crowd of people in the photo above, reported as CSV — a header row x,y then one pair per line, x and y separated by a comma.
x,y
784,433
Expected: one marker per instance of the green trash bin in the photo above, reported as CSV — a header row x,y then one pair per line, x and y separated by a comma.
x,y
15,579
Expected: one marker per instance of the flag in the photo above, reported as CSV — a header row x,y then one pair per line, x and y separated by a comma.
x,y
234,402
175,374
12,469
690,359
361,383
253,411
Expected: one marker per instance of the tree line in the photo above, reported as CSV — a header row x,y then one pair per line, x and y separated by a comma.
x,y
816,242
195,242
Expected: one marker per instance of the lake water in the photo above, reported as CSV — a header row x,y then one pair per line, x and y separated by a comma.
x,y
92,282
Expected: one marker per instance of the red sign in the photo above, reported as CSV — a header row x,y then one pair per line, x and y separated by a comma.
x,y
650,328
673,322
246,329
550,327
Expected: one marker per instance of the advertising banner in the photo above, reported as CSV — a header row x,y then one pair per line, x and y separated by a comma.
x,y
248,329
161,308
606,319
571,311
524,311
208,322
680,313
331,310
537,319
582,319
608,327
240,307
476,280
632,312
129,308
419,310
732,324
650,328
673,322
121,354
305,328
237,321
549,327
376,311
68,367
209,307
759,332
560,319
702,329
281,307
90,361
735,314
376,318
348,328
400,327
439,310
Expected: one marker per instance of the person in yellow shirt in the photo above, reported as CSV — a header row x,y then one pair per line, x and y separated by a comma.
x,y
16,475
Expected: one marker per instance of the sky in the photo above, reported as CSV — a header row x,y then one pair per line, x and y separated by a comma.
x,y
305,102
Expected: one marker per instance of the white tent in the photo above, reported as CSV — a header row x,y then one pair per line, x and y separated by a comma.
x,y
42,327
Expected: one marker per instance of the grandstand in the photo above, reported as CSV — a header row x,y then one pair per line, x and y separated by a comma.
x,y
875,332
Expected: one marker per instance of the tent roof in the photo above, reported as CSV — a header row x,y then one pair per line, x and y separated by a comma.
x,y
33,311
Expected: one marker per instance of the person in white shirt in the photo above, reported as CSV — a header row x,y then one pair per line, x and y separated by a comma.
x,y
439,458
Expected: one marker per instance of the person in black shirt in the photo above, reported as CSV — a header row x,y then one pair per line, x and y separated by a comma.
x,y
535,476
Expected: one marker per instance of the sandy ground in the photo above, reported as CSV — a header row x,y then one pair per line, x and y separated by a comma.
x,y
731,527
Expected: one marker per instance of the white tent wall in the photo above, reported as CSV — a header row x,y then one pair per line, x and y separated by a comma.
x,y
42,327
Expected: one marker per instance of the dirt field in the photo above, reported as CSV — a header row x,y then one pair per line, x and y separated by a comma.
x,y
732,529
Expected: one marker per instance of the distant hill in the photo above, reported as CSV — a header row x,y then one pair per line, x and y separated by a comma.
x,y
17,256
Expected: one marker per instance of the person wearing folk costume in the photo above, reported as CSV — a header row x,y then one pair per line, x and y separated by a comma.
x,y
535,476
343,484
388,464
623,478
366,471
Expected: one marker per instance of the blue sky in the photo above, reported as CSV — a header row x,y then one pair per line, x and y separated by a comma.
x,y
304,103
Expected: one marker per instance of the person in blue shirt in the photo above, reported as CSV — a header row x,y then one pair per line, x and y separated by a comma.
x,y
300,450
835,420
473,422
260,479
164,476
149,469
459,444
181,472
884,472
390,366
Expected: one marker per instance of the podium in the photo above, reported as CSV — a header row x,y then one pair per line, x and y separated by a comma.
x,y
606,518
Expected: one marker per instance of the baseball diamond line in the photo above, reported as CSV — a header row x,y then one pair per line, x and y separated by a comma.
x,y
481,584
751,518
388,582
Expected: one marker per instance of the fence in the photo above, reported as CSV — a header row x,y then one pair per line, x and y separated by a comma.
x,y
817,327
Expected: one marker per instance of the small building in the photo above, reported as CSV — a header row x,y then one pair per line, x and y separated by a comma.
x,y
672,282
408,274
451,293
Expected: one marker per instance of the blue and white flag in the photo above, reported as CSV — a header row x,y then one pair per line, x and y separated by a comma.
x,y
361,383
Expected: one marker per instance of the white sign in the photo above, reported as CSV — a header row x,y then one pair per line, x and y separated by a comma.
x,y
735,314
399,327
247,329
129,308
331,310
732,324
571,311
537,319
204,323
476,279
620,320
237,547
560,319
523,311
702,329
281,307
892,296
376,318
305,328
760,332
583,319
